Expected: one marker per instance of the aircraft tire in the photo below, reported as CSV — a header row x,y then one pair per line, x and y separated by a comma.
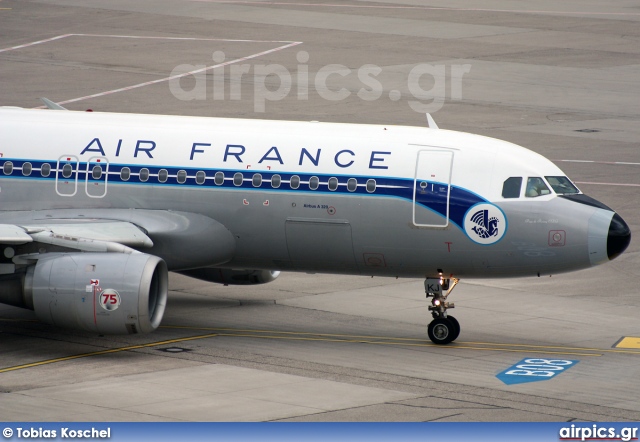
x,y
456,327
441,331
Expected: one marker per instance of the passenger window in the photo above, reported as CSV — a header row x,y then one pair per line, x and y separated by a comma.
x,y
511,187
352,185
200,177
294,182
125,174
560,185
144,174
256,180
333,183
275,181
45,170
26,169
237,179
219,178
7,168
182,176
314,182
96,172
67,170
536,187
163,175
371,186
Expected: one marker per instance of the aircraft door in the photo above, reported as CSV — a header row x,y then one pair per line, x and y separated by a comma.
x,y
97,174
432,188
67,175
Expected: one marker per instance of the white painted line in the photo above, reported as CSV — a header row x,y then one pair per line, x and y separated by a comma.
x,y
161,80
183,38
147,83
58,37
36,43
608,184
329,5
617,163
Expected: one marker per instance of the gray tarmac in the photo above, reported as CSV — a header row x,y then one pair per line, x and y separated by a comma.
x,y
563,80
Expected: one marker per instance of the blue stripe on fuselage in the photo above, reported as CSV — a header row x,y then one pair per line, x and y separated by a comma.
x,y
433,196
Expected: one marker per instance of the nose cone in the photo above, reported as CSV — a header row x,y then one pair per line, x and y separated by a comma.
x,y
619,237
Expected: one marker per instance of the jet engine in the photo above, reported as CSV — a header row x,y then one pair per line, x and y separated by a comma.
x,y
233,276
106,293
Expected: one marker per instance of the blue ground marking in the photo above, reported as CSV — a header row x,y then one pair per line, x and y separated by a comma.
x,y
534,370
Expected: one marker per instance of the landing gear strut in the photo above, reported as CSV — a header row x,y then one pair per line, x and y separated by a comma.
x,y
444,328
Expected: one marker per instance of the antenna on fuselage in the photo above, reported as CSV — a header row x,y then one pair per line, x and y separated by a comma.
x,y
51,105
430,121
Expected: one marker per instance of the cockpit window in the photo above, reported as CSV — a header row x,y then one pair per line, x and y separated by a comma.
x,y
511,187
561,185
536,187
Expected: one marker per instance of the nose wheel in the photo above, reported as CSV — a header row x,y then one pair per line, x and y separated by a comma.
x,y
444,328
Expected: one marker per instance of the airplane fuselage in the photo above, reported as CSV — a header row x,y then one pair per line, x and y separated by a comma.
x,y
308,196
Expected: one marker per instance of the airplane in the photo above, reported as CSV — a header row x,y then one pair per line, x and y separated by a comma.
x,y
96,209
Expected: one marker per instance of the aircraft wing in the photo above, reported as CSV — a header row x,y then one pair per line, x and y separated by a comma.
x,y
98,230
12,234
184,240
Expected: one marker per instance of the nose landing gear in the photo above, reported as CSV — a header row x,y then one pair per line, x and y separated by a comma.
x,y
444,328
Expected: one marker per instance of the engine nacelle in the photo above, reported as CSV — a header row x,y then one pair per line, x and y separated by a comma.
x,y
233,276
107,293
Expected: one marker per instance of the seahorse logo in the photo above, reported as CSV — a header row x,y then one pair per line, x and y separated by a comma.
x,y
485,226
485,223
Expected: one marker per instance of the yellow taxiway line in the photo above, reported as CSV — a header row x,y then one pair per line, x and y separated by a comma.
x,y
414,341
340,338
104,352
401,344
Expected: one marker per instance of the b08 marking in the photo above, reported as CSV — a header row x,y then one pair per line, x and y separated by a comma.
x,y
535,369
110,299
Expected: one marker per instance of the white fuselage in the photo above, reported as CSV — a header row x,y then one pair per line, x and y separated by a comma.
x,y
308,196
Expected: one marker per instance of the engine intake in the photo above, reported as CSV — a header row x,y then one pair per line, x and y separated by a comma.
x,y
107,293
